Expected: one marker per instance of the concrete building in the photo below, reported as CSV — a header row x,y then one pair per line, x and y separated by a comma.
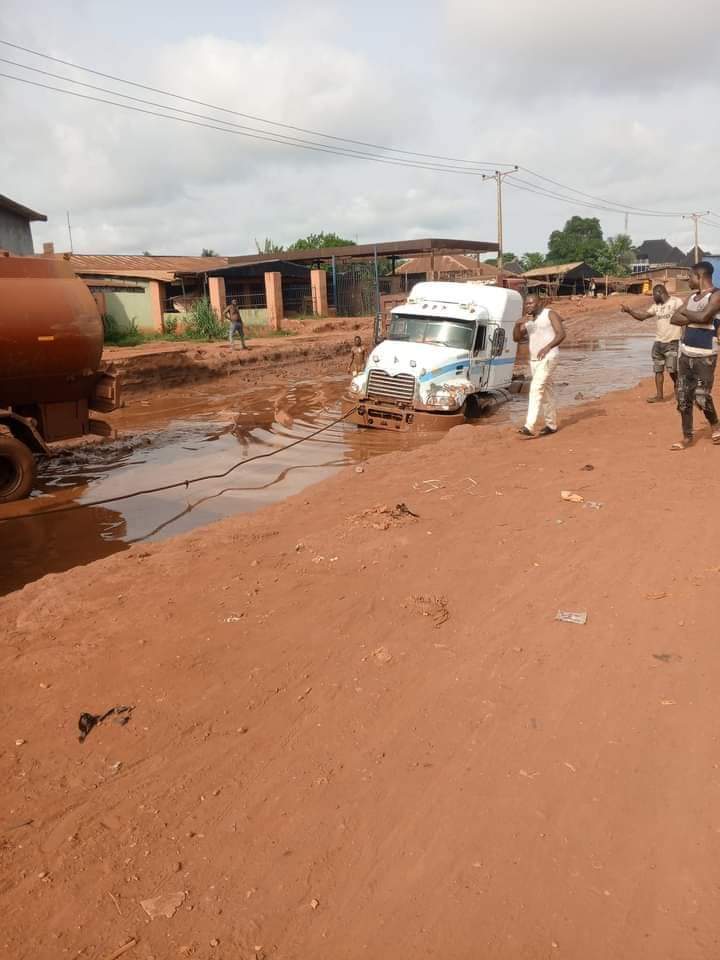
x,y
15,232
143,290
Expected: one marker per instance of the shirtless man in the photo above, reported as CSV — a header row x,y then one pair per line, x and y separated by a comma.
x,y
667,337
233,316
544,330
699,320
357,358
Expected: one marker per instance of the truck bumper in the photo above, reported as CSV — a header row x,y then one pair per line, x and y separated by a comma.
x,y
385,415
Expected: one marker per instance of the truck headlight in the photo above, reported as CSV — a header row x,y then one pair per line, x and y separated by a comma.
x,y
355,387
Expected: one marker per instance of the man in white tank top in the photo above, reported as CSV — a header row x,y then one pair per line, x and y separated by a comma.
x,y
544,331
699,320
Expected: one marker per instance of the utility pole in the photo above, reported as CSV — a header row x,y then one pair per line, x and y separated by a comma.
x,y
69,230
695,217
627,222
498,178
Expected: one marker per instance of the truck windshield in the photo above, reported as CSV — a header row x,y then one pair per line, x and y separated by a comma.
x,y
449,333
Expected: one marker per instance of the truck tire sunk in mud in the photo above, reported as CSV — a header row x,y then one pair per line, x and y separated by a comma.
x,y
17,470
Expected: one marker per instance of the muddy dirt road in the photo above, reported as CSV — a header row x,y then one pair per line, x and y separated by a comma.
x,y
172,435
362,733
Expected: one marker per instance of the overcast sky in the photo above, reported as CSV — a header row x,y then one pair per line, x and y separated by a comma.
x,y
619,101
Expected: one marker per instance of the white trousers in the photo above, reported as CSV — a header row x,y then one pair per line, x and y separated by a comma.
x,y
541,403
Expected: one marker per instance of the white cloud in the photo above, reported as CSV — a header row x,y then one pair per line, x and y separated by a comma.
x,y
604,99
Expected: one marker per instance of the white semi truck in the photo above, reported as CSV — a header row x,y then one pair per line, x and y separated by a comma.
x,y
449,351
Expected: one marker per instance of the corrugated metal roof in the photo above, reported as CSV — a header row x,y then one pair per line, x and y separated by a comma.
x,y
448,263
398,248
111,262
555,270
19,210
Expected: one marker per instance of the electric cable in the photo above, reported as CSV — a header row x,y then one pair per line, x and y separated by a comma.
x,y
71,507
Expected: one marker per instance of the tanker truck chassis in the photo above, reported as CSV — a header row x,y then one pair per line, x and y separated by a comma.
x,y
51,374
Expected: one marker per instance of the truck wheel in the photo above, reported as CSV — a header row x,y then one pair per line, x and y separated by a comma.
x,y
17,470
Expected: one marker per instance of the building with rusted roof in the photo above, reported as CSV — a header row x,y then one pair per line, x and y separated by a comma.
x,y
563,279
457,266
146,292
15,230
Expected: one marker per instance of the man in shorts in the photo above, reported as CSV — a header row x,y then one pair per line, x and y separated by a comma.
x,y
358,357
233,316
667,337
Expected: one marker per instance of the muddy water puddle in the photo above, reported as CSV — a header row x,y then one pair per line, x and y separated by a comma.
x,y
205,430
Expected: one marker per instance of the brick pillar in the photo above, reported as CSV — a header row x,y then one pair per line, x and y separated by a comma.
x,y
157,304
274,300
318,284
216,290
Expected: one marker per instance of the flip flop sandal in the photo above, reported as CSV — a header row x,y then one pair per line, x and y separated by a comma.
x,y
716,437
524,432
655,399
681,445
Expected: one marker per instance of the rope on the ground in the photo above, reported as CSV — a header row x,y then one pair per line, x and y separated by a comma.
x,y
68,508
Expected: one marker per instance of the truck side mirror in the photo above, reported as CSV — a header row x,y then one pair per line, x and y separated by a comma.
x,y
498,342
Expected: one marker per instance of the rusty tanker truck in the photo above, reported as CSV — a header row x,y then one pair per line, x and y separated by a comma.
x,y
51,373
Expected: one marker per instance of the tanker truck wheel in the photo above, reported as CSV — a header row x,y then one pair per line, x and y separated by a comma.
x,y
17,470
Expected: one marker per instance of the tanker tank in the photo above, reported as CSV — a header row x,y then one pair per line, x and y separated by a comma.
x,y
51,370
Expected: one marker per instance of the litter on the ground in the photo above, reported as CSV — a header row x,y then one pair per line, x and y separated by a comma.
x,y
121,950
165,905
571,497
568,616
89,720
588,466
594,504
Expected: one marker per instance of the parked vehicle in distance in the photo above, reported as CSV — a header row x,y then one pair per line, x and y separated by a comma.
x,y
449,351
51,373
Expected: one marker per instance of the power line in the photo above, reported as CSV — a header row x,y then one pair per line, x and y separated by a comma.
x,y
246,116
218,125
622,207
599,203
222,126
528,187
280,138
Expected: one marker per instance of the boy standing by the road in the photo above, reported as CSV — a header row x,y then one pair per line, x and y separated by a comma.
x,y
357,358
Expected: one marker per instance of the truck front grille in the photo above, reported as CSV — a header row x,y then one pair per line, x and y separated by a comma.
x,y
381,386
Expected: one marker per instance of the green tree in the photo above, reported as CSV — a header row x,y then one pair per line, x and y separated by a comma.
x,y
209,252
622,252
532,260
507,257
580,239
269,246
618,256
322,239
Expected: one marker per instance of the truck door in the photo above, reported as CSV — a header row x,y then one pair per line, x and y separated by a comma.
x,y
496,346
478,356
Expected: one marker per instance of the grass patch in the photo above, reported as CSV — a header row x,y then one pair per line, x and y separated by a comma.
x,y
202,323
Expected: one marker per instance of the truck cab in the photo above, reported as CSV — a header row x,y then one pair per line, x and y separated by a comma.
x,y
449,349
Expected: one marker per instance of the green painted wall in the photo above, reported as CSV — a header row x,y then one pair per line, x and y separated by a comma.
x,y
126,306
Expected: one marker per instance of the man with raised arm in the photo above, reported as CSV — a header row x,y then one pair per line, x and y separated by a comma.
x,y
667,337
